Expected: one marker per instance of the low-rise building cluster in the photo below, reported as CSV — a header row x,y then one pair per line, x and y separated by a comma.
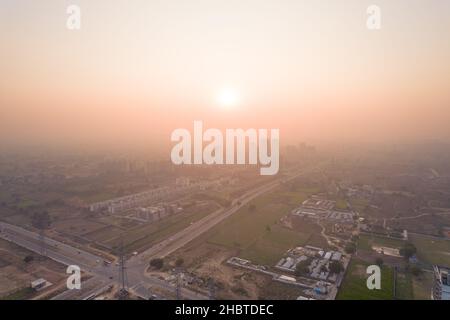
x,y
316,262
144,198
317,208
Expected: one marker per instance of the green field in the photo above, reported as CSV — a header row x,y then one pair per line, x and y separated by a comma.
x,y
432,251
404,286
429,250
359,205
341,204
414,287
22,294
26,203
422,286
148,234
366,242
90,197
257,233
354,285
268,249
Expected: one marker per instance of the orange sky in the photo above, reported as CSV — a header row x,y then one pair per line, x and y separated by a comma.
x,y
135,72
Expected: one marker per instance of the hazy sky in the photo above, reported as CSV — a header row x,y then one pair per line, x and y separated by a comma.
x,y
139,69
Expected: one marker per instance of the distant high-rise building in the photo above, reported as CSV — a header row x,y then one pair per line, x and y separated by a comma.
x,y
441,287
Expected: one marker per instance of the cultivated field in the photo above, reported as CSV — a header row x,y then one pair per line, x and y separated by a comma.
x,y
268,249
255,229
431,250
414,287
366,242
142,237
354,286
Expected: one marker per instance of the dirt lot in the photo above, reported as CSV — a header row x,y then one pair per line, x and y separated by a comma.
x,y
16,274
77,227
435,224
208,260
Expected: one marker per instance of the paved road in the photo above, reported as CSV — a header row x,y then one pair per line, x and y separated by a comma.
x,y
55,250
103,276
88,288
186,235
136,265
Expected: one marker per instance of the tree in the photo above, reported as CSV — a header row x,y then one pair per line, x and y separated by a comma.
x,y
336,267
28,259
379,262
268,228
408,250
416,271
324,268
157,263
350,247
179,262
302,268
41,220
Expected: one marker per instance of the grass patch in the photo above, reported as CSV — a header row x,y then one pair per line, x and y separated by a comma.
x,y
422,286
268,249
359,204
366,242
354,286
91,197
432,251
147,235
404,287
214,196
248,230
291,198
410,287
341,204
26,203
22,294
245,226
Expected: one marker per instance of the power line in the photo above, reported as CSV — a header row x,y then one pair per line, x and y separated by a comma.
x,y
42,244
211,289
123,292
178,286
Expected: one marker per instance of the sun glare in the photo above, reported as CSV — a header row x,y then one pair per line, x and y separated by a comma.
x,y
228,98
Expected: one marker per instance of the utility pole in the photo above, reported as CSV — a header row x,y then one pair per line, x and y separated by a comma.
x,y
178,284
41,221
123,292
42,244
211,288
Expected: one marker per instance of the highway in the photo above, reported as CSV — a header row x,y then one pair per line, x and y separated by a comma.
x,y
136,266
175,242
103,275
55,250
89,288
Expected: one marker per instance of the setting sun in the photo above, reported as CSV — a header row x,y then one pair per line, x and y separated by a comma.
x,y
228,98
